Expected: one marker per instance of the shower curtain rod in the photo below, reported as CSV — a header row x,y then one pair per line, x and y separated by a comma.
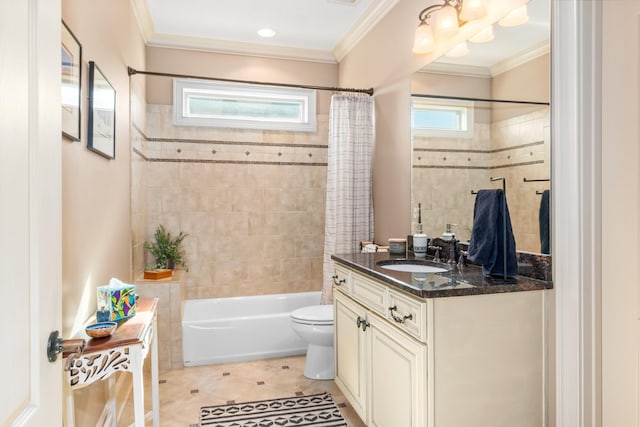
x,y
369,91
462,98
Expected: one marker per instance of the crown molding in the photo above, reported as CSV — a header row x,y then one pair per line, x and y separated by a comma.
x,y
456,70
369,19
143,18
361,27
237,48
534,52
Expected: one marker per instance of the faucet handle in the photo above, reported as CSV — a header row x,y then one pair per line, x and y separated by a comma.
x,y
462,259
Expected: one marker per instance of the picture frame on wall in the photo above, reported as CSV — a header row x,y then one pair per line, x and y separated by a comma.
x,y
102,114
71,94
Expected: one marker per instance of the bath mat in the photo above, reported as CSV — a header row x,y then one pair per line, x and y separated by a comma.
x,y
317,410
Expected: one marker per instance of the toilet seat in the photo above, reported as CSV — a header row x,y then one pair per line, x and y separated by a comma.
x,y
314,315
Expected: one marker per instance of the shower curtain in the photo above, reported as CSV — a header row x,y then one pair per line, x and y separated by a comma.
x,y
349,204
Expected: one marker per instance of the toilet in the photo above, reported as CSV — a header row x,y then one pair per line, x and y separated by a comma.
x,y
314,324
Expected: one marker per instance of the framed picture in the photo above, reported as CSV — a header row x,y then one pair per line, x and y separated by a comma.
x,y
71,81
102,114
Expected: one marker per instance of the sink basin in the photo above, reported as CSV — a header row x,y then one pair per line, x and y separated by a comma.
x,y
413,268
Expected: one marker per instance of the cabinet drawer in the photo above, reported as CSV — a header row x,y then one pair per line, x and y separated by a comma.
x,y
342,278
408,314
370,293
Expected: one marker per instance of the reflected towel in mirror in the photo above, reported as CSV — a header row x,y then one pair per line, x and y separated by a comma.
x,y
491,223
545,235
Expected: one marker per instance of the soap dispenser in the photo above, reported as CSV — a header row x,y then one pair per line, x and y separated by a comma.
x,y
449,235
420,239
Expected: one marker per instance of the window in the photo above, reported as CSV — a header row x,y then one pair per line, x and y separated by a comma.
x,y
240,105
442,117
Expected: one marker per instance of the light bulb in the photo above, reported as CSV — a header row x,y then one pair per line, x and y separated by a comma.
x,y
473,9
446,22
423,42
266,32
458,51
515,17
483,36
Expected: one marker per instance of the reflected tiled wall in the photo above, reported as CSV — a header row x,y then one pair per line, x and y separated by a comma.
x,y
251,201
446,170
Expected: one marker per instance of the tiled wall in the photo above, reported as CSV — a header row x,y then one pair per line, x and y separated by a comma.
x,y
251,201
446,170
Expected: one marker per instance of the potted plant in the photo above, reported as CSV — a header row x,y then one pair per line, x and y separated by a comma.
x,y
167,249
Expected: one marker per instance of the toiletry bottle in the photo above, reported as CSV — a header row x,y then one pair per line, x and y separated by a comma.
x,y
420,240
449,234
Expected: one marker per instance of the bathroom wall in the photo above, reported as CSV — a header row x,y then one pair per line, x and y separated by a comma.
x,y
251,201
96,223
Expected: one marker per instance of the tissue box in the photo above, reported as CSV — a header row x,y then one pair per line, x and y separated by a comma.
x,y
118,299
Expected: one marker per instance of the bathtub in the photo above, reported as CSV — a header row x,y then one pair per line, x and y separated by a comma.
x,y
219,330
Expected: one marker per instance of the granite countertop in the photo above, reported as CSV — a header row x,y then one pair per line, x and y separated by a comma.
x,y
468,280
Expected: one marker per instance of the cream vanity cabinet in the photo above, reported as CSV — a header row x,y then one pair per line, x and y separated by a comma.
x,y
407,361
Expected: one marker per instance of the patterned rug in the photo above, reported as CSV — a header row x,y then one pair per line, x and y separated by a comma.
x,y
317,410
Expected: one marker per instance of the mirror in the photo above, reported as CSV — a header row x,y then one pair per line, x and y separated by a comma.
x,y
486,116
496,139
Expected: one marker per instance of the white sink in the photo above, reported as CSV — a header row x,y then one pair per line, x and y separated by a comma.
x,y
413,268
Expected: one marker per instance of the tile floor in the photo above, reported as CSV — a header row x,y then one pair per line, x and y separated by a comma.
x,y
184,391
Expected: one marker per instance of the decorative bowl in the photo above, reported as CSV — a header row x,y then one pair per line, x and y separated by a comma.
x,y
100,329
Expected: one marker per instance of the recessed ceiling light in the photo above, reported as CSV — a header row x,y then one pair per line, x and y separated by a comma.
x,y
266,32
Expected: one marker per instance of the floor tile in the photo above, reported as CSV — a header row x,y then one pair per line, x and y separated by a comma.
x,y
183,391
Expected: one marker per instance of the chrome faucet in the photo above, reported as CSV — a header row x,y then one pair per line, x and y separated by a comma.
x,y
453,250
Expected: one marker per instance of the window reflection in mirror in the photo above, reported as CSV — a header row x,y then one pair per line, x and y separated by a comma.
x,y
452,158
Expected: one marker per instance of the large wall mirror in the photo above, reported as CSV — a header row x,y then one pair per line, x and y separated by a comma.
x,y
482,117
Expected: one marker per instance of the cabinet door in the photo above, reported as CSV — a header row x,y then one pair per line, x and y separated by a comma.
x,y
397,369
350,350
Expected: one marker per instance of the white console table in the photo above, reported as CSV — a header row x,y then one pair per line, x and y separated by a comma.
x,y
124,351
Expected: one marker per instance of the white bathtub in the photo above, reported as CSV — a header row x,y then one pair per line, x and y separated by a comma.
x,y
219,330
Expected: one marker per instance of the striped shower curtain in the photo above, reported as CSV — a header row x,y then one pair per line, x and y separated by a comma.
x,y
349,204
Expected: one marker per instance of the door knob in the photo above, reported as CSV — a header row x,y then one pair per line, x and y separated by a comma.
x,y
57,345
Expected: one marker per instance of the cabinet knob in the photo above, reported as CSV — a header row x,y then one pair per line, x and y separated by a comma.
x,y
399,319
362,323
338,282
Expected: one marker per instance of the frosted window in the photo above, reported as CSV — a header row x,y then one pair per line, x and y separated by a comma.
x,y
236,105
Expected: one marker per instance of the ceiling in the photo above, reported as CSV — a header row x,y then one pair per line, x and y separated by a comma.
x,y
319,30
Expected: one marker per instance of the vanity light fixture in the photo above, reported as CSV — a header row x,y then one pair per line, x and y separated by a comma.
x,y
444,28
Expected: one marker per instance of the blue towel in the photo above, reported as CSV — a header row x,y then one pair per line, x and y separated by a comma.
x,y
486,246
545,235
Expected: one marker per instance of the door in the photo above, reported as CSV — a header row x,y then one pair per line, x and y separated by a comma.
x,y
30,217
398,395
351,351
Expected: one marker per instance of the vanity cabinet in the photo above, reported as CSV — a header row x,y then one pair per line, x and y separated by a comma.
x,y
350,343
409,361
378,367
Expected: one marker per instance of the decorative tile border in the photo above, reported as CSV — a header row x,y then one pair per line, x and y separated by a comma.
x,y
497,150
454,158
509,165
187,150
